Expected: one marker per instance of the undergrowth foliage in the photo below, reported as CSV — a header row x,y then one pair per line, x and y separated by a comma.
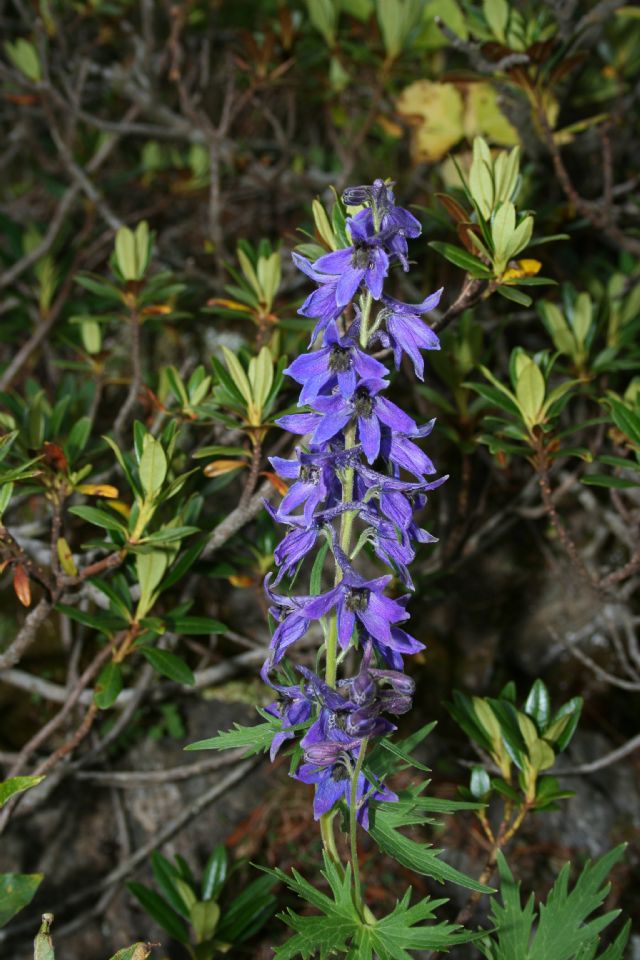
x,y
227,408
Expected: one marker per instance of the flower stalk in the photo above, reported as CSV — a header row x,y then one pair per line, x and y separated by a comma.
x,y
359,471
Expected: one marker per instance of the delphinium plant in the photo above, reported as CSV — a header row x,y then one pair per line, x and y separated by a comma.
x,y
356,482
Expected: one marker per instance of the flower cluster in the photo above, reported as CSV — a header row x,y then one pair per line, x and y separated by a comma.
x,y
360,472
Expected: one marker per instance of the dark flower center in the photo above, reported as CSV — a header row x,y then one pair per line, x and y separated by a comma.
x,y
339,359
357,599
340,772
362,258
363,403
309,473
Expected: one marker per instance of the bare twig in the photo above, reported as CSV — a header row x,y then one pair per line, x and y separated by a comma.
x,y
606,761
237,519
26,634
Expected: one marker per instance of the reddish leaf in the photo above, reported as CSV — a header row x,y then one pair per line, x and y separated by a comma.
x,y
21,585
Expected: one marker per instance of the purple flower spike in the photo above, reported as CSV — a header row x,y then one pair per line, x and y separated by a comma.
x,y
351,425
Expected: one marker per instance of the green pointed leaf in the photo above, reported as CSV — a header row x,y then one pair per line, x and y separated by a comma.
x,y
16,891
461,258
153,465
43,944
169,665
215,873
137,951
160,911
108,685
8,788
99,518
385,823
538,705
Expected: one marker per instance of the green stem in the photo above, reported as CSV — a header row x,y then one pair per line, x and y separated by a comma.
x,y
353,826
346,526
365,312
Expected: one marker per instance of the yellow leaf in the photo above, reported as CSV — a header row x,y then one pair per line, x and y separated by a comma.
x,y
228,304
483,116
523,268
66,557
98,490
240,580
435,112
121,507
218,468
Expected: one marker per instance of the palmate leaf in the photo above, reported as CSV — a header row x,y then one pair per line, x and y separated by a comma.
x,y
413,809
340,930
563,930
254,739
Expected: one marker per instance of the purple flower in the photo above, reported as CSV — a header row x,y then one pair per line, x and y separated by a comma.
x,y
293,707
321,304
330,757
395,224
399,450
405,331
315,482
336,363
365,406
333,783
355,598
400,645
365,261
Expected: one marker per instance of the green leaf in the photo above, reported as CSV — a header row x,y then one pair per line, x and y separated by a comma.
x,y
166,876
386,821
43,944
169,534
150,568
538,705
608,480
160,911
108,685
100,622
510,293
248,911
530,390
502,230
480,784
564,930
204,919
137,951
513,922
255,739
16,891
564,723
169,665
315,580
461,258
238,375
8,788
24,56
215,873
196,626
153,466
100,518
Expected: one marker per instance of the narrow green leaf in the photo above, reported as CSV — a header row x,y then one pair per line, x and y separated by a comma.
x,y
16,891
8,788
461,258
108,685
169,665
160,911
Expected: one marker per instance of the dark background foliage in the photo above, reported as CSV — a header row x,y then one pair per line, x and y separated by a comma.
x,y
218,123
